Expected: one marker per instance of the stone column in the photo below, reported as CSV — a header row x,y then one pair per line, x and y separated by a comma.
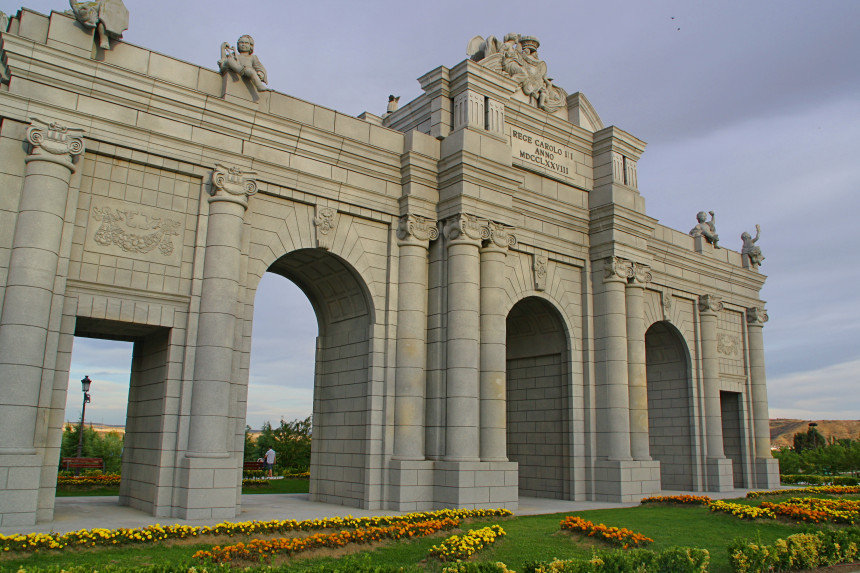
x,y
719,468
493,344
636,372
414,234
30,281
213,363
612,394
756,317
766,467
463,234
709,306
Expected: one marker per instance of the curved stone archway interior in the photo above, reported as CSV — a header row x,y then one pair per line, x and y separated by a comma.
x,y
670,407
339,454
538,400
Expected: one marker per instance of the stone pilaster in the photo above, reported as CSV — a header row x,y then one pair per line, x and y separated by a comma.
x,y
636,372
213,364
766,467
414,235
493,350
26,311
719,468
463,234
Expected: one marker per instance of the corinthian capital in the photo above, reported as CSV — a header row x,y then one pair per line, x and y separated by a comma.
x,y
464,228
233,184
417,228
710,303
55,139
617,269
756,316
498,235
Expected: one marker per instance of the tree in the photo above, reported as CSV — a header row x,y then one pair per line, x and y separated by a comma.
x,y
810,440
107,446
291,442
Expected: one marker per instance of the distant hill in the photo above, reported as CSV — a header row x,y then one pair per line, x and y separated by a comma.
x,y
782,430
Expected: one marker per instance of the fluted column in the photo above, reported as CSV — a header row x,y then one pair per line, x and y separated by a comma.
x,y
30,280
636,372
213,363
463,234
709,306
414,235
493,344
756,317
612,392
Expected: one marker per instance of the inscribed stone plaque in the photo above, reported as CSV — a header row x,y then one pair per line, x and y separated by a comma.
x,y
544,156
138,232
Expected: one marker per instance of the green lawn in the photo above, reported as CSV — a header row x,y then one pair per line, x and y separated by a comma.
x,y
528,538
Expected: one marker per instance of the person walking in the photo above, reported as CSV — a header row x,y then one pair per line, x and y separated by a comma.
x,y
270,460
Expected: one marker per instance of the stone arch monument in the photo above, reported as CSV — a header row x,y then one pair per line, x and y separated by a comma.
x,y
498,314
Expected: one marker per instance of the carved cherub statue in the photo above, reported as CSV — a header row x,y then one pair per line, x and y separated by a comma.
x,y
750,249
706,229
108,17
392,103
243,62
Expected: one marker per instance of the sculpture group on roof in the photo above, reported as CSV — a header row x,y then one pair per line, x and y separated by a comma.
x,y
108,17
517,58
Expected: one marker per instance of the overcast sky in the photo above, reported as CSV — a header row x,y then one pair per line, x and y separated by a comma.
x,y
749,109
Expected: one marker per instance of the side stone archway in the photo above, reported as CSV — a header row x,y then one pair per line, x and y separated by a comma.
x,y
670,406
538,400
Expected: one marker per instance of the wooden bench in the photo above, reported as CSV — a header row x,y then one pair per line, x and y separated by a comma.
x,y
83,464
253,466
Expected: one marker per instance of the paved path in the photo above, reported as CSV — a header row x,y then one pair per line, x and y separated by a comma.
x,y
74,513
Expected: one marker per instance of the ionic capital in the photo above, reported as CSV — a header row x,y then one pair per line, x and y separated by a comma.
x,y
464,229
710,304
415,229
54,142
756,316
640,275
498,235
617,269
233,184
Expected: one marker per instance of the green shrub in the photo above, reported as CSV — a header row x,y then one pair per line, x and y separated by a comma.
x,y
818,480
671,560
808,550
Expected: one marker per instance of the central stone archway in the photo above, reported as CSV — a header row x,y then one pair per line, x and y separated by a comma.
x,y
339,457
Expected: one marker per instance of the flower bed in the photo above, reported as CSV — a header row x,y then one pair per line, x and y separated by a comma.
x,y
816,510
615,535
674,559
110,480
458,547
678,499
155,533
256,549
740,510
828,489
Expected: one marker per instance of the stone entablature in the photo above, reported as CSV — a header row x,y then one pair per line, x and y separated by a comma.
x,y
448,265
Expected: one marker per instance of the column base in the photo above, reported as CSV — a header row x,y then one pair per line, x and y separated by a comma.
x,y
719,475
411,485
626,480
766,473
207,489
19,489
476,485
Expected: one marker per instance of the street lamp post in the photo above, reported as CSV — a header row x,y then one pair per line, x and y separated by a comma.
x,y
85,386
